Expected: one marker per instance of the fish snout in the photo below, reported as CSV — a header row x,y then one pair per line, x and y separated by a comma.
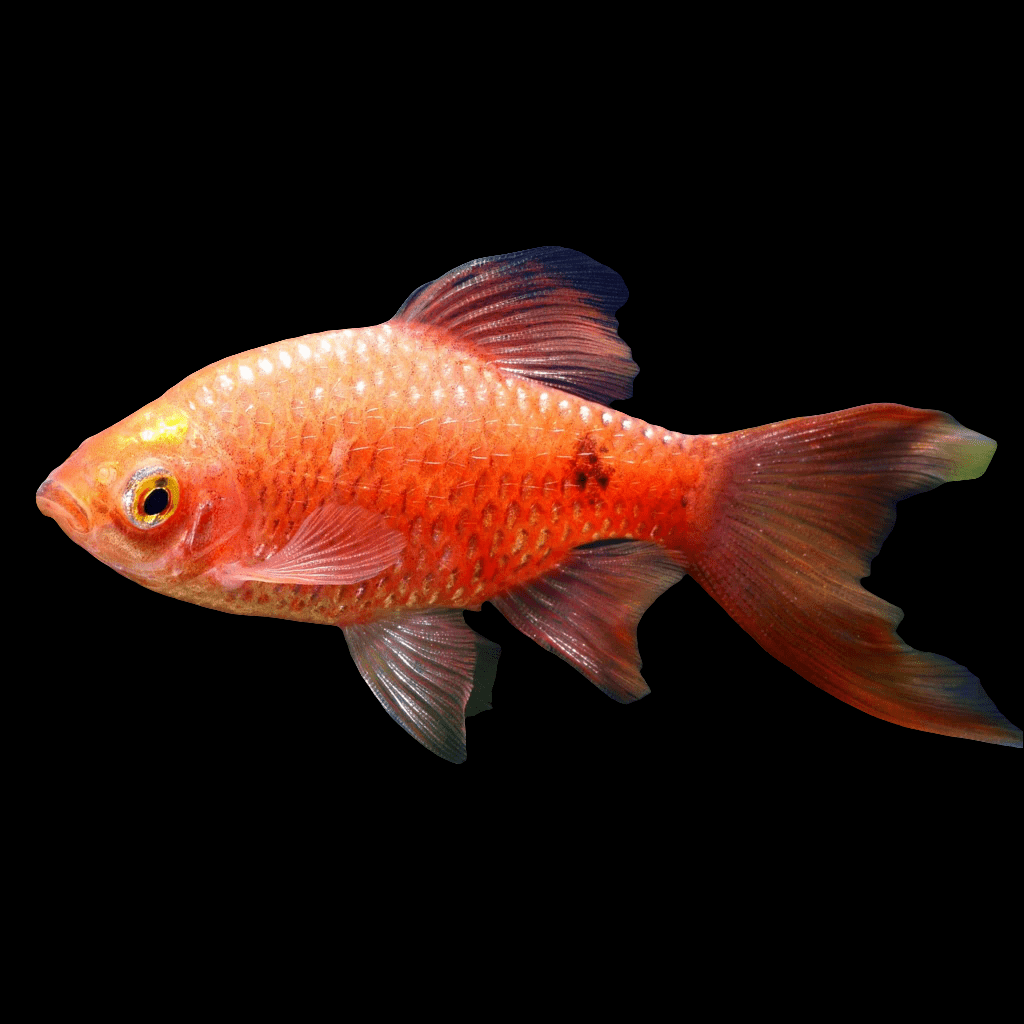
x,y
57,502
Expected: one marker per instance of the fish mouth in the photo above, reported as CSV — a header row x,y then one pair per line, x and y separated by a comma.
x,y
57,502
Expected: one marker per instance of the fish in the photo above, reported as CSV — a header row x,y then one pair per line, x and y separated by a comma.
x,y
386,479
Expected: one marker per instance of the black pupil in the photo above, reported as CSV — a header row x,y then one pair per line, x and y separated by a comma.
x,y
156,501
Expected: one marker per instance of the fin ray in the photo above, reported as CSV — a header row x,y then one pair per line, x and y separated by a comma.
x,y
422,667
586,611
545,314
335,545
787,530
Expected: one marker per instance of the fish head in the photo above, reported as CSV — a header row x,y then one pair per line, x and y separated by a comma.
x,y
149,496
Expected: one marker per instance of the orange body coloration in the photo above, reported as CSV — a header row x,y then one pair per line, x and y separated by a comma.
x,y
490,480
382,479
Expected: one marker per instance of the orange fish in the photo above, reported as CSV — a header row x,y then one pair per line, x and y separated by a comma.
x,y
384,479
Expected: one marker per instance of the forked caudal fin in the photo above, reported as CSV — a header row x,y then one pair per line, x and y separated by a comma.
x,y
787,527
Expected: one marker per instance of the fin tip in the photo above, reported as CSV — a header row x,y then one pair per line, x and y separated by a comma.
x,y
969,452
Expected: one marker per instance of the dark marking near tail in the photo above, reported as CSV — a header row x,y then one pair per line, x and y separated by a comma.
x,y
588,465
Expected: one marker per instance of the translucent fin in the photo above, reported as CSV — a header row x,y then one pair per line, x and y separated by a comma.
x,y
791,518
422,667
335,545
545,314
586,611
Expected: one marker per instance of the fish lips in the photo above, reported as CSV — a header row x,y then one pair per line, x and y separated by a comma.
x,y
57,502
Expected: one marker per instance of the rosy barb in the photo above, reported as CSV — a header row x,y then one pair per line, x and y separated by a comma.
x,y
385,478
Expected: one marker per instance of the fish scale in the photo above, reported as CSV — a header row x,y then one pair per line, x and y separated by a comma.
x,y
383,479
480,519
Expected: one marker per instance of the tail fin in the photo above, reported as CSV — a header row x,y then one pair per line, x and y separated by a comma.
x,y
795,512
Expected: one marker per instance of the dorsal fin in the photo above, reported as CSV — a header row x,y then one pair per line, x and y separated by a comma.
x,y
546,314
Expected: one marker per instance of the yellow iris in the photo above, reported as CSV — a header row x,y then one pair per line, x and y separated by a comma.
x,y
151,497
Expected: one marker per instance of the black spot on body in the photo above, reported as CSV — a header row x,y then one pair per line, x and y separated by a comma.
x,y
588,465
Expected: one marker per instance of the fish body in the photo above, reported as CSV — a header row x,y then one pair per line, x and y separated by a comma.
x,y
486,480
383,479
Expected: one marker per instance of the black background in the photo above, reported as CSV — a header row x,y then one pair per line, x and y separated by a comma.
x,y
733,331
801,228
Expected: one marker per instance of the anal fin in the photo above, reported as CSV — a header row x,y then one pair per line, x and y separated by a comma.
x,y
586,611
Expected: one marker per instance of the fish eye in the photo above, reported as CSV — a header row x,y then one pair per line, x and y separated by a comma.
x,y
151,497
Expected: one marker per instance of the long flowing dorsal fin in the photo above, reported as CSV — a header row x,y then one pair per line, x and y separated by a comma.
x,y
545,314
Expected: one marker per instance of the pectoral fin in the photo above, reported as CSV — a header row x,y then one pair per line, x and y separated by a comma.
x,y
335,545
422,667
